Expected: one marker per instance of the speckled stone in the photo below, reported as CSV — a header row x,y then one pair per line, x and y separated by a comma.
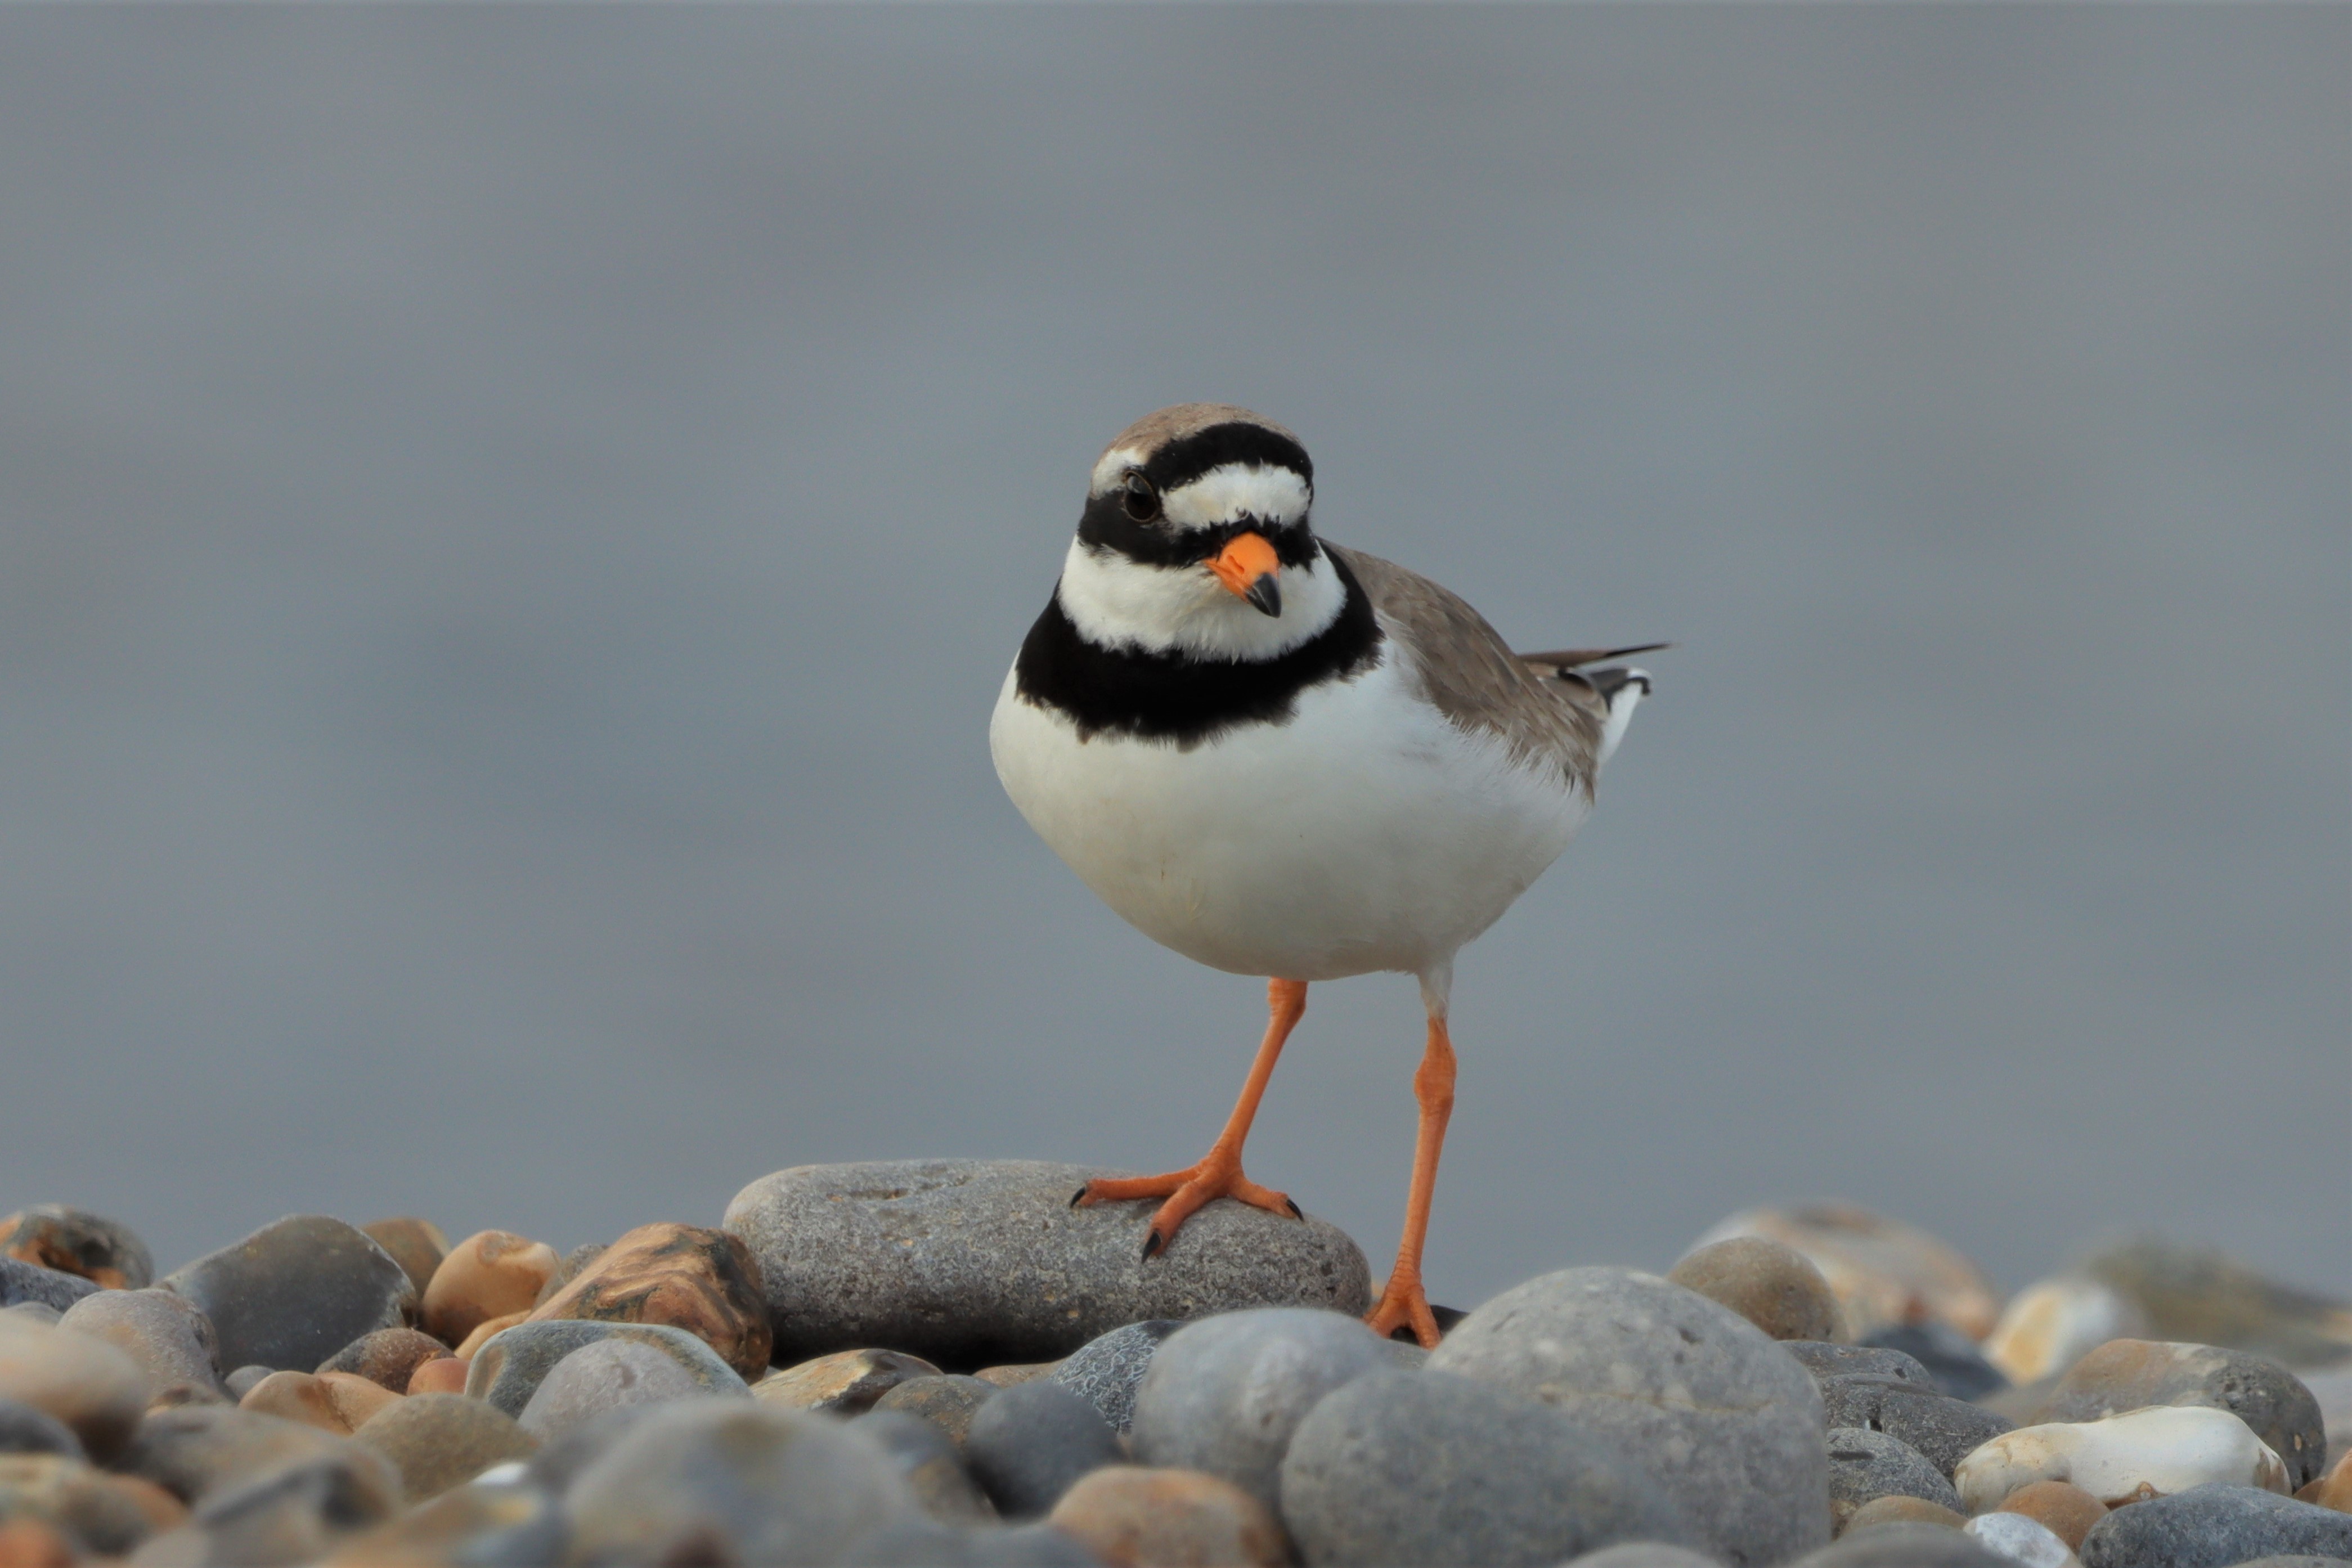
x,y
704,1282
2126,1374
1426,1468
85,1382
602,1377
440,1440
1675,1383
2214,1527
946,1402
846,1383
388,1357
1825,1360
1944,1429
167,1334
1133,1517
508,1369
475,1526
1865,1465
2064,1509
416,1245
29,1284
489,1274
1223,1394
1107,1370
296,1291
1776,1288
1030,1444
76,1242
1904,1546
928,1460
979,1262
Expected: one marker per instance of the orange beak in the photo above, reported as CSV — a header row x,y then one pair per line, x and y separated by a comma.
x,y
1247,567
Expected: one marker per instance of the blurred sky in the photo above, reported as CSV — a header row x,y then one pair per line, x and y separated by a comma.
x,y
512,519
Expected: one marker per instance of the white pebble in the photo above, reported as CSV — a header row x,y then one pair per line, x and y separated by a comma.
x,y
2165,1448
2022,1540
2049,1326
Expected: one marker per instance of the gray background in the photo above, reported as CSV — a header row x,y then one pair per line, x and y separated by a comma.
x,y
514,519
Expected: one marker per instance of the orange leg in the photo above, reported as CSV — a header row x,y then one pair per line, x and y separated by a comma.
x,y
1218,1173
1404,1304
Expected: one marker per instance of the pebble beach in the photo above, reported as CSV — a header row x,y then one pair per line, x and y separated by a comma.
x,y
943,1362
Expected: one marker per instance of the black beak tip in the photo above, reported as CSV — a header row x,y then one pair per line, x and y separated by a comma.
x,y
1264,596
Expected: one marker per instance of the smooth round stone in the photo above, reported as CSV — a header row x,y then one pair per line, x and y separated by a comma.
x,y
846,1383
732,1482
2063,1509
76,1242
1029,1444
2159,1450
1897,1508
486,1331
1683,1388
569,1268
1643,1554
2053,1324
948,1402
1132,1517
1827,1360
244,1380
508,1369
1222,1395
295,1513
1429,1467
2215,1527
167,1334
1881,1270
439,1375
562,1460
105,1515
26,1284
85,1382
927,1544
602,1377
490,1274
1866,1465
196,1451
27,1429
416,1245
2021,1540
1107,1370
33,1313
704,1282
388,1357
338,1402
477,1526
294,1293
2126,1373
440,1440
1944,1429
1904,1546
1776,1288
1951,1357
2335,1488
981,1262
927,1460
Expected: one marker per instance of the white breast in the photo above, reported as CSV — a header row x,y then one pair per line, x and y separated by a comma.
x,y
1367,833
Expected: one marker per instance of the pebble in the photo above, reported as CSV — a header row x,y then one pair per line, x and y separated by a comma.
x,y
105,1515
297,1512
294,1293
1881,1270
846,1383
1223,1394
2194,1294
1865,1465
243,1381
1132,1517
26,1284
85,1382
1952,1360
2163,1448
29,1543
578,1259
2333,1490
2065,1509
440,1440
508,1369
920,1542
1028,1445
704,1282
1680,1385
2213,1527
600,1377
1005,1376
486,1331
978,1262
946,1402
2053,1324
927,1460
2021,1540
1642,1555
388,1356
416,1245
1431,1467
2126,1374
1107,1370
490,1274
1944,1429
76,1242
1897,1508
477,1526
734,1482
198,1451
1826,1361
1916,1545
27,1429
167,1334
1775,1287
338,1402
561,1460
439,1375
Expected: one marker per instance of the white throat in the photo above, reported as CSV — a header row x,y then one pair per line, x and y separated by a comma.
x,y
1115,602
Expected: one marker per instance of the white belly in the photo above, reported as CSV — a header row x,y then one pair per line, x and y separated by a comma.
x,y
1367,833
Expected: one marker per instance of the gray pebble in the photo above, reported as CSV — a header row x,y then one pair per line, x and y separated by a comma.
x,y
1031,1443
927,1461
24,1284
562,1459
2126,1374
1867,1464
1951,1357
164,1333
600,1377
1643,1554
1904,1546
243,1380
296,1291
1223,1394
510,1365
1944,1429
947,1401
928,1543
1680,1387
985,1263
1107,1370
1824,1360
1405,1468
2214,1527
26,1430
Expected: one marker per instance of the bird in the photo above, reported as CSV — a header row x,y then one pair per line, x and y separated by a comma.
x,y
1286,758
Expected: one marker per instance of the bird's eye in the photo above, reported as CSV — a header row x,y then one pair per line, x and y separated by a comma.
x,y
1138,499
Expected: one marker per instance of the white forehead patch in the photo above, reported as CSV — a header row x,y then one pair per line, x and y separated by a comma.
x,y
1272,495
1114,465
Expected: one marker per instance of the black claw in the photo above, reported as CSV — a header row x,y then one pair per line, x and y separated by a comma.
x,y
1151,1245
1296,1212
1080,1196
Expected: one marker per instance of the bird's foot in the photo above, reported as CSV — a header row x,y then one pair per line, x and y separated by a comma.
x,y
1404,1305
1214,1176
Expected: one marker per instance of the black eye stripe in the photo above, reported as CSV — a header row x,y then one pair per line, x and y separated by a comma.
x,y
1106,526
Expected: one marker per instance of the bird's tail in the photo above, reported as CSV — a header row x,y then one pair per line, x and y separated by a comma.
x,y
1619,686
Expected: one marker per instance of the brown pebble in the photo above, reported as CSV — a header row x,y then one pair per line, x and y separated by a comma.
x,y
74,1241
704,1282
171,1395
443,1375
441,1440
416,1245
489,1274
356,1399
483,1331
946,1402
1132,1517
1775,1287
1006,1376
2333,1489
1897,1509
575,1262
846,1383
296,1396
2062,1508
29,1543
387,1356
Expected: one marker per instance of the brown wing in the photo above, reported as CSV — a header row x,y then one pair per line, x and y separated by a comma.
x,y
1472,676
